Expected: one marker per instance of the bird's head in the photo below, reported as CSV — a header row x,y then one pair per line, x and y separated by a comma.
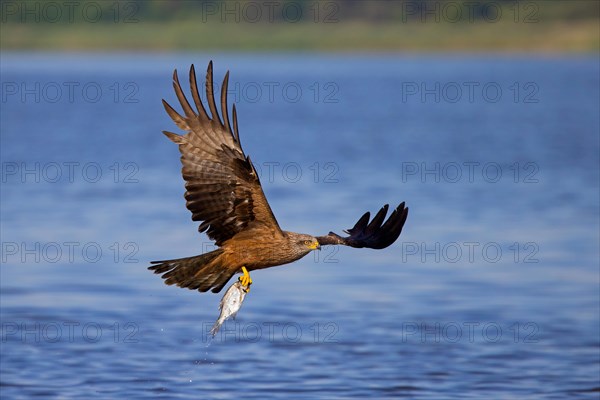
x,y
307,242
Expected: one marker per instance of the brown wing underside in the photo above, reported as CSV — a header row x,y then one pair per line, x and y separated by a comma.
x,y
223,188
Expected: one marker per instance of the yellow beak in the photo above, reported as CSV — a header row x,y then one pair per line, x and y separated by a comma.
x,y
315,246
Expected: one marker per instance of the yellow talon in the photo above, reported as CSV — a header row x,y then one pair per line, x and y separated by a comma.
x,y
245,279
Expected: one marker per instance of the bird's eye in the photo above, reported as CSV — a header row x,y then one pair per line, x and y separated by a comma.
x,y
307,242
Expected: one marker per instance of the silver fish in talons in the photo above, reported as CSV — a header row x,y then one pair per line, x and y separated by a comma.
x,y
230,304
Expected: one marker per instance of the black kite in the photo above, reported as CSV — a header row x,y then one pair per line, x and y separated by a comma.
x,y
225,195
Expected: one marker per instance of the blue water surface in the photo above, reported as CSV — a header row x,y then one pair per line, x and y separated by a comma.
x,y
492,290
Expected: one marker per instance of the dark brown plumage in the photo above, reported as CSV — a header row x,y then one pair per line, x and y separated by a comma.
x,y
223,192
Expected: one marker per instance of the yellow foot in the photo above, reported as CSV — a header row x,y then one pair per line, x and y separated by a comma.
x,y
245,279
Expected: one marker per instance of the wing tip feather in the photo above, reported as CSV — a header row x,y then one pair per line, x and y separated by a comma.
x,y
175,138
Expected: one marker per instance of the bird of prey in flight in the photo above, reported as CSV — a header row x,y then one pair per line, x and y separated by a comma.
x,y
224,194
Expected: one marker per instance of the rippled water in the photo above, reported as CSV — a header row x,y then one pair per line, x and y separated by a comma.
x,y
491,292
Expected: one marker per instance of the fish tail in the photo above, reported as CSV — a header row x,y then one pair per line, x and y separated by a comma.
x,y
215,328
202,272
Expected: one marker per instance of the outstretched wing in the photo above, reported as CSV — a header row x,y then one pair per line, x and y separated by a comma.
x,y
223,188
374,235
